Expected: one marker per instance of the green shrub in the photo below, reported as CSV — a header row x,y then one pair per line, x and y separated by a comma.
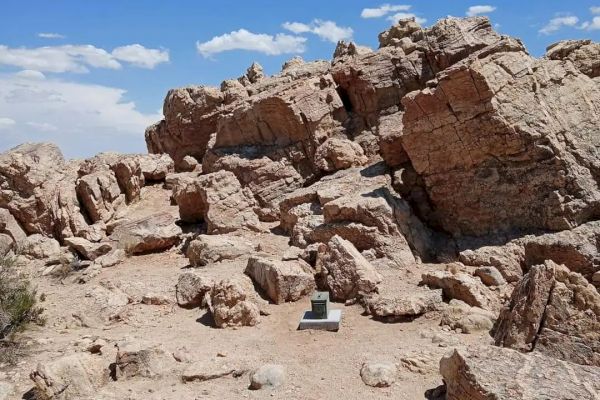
x,y
17,300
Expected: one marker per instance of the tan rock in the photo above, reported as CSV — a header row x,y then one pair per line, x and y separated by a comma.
x,y
231,305
584,54
137,359
462,286
347,273
507,259
9,226
128,172
281,280
87,249
191,289
38,246
75,376
404,305
492,372
335,154
149,234
379,374
155,167
100,195
460,315
207,249
218,199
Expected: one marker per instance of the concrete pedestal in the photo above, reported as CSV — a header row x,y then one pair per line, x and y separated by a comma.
x,y
332,323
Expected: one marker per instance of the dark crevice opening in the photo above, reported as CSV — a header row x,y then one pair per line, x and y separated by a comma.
x,y
345,98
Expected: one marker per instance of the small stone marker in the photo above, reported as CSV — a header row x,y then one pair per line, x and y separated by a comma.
x,y
320,316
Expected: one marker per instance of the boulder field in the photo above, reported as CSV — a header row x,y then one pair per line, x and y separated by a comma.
x,y
444,189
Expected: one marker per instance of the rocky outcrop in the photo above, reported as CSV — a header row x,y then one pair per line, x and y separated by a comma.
x,y
490,372
495,148
208,249
155,167
281,280
219,200
553,311
403,305
346,273
584,54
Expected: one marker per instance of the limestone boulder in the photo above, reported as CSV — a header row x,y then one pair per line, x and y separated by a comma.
x,y
553,311
208,249
403,305
584,54
75,376
128,172
335,154
462,286
219,200
459,315
100,195
347,273
39,247
138,359
268,376
155,167
191,290
86,249
9,226
156,232
507,259
282,281
379,374
231,305
489,372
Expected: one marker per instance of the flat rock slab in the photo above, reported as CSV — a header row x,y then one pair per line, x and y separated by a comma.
x,y
332,323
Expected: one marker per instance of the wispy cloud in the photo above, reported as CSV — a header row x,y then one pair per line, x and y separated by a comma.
x,y
480,10
383,10
326,30
80,118
557,23
592,25
246,40
79,58
595,10
50,35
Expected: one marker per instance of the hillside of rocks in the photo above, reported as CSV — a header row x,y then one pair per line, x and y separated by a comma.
x,y
444,189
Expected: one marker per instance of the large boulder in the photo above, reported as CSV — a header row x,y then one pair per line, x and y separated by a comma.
x,y
403,305
347,273
584,54
75,376
488,372
462,286
100,195
231,305
137,359
504,141
553,311
38,246
156,167
154,233
86,249
219,200
281,280
208,249
191,290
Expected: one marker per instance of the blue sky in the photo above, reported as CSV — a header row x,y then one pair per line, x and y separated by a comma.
x,y
90,75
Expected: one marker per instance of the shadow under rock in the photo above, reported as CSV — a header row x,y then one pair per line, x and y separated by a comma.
x,y
438,393
207,319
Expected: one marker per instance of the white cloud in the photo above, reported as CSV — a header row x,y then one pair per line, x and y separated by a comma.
x,y
6,122
557,23
246,40
30,74
327,30
138,55
383,10
398,16
595,10
594,25
479,10
51,35
83,119
79,58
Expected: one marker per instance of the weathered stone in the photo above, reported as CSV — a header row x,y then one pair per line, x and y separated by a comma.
x,y
201,371
490,372
218,199
268,376
111,259
584,54
129,175
138,359
507,259
335,154
404,305
490,276
462,286
76,376
191,289
9,226
553,311
379,374
87,249
188,164
155,167
6,244
231,306
348,274
100,195
38,246
460,315
207,249
149,234
281,280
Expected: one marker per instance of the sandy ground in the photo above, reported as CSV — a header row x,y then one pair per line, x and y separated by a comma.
x,y
319,365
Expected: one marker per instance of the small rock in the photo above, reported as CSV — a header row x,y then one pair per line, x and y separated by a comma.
x,y
208,370
490,276
379,374
191,289
269,376
155,299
